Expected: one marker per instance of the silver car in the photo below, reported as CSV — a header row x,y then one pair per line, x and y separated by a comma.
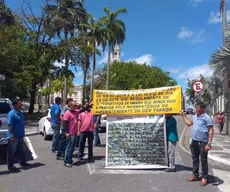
x,y
5,108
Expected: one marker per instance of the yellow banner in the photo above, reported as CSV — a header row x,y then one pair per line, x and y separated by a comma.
x,y
138,102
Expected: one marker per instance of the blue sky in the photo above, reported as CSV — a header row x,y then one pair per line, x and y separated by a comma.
x,y
177,36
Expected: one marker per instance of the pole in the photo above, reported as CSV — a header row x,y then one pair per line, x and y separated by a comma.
x,y
225,74
0,89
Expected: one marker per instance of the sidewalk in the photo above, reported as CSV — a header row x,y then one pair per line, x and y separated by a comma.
x,y
220,152
31,128
220,148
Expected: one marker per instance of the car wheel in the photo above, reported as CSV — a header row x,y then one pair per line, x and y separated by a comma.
x,y
46,137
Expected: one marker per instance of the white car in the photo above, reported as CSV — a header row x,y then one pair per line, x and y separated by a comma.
x,y
44,125
103,123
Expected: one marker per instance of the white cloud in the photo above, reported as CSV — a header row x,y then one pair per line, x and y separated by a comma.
x,y
195,3
193,37
185,33
200,37
175,70
104,59
215,17
147,58
196,71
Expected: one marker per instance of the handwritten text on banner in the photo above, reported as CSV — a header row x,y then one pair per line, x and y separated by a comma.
x,y
138,102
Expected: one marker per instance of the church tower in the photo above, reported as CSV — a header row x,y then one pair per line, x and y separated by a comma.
x,y
117,53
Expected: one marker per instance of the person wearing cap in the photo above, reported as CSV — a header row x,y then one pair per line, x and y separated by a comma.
x,y
55,113
15,135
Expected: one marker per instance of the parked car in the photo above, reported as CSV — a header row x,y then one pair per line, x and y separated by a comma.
x,y
44,125
103,123
190,111
5,107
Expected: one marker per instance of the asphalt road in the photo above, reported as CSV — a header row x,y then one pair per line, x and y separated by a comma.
x,y
49,175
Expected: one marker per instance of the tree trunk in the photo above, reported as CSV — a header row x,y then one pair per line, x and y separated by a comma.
x,y
84,83
92,73
32,97
64,98
108,69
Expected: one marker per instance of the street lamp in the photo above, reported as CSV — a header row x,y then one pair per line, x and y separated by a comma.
x,y
2,78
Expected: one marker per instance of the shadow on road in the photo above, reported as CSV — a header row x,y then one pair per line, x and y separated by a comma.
x,y
182,168
3,154
34,165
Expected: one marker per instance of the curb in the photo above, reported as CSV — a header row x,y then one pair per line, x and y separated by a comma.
x,y
31,133
212,159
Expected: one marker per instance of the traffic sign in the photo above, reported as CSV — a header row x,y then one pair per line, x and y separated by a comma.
x,y
198,86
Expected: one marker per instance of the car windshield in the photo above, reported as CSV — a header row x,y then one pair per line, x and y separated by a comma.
x,y
4,108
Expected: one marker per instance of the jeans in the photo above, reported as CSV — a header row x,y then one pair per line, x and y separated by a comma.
x,y
62,144
171,154
97,140
55,140
71,142
83,136
198,150
220,127
78,141
12,147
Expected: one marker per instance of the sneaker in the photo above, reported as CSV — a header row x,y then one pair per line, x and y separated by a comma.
x,y
68,165
168,170
59,158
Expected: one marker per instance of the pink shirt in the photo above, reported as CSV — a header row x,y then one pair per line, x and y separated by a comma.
x,y
220,118
86,119
72,118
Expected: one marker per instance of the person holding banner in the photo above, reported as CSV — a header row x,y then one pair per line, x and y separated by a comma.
x,y
172,138
202,135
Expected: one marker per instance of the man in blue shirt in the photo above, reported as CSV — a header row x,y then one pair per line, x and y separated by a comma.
x,y
202,135
172,138
55,123
15,135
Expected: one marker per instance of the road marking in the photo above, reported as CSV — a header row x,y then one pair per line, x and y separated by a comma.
x,y
29,144
223,185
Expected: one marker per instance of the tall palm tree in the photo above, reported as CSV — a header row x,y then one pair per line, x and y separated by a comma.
x,y
65,16
118,29
97,35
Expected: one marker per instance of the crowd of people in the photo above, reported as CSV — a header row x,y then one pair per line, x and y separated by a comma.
x,y
73,125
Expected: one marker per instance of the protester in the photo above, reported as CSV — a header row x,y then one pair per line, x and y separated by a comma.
x,y
15,135
202,135
62,141
70,127
220,121
172,138
85,129
55,123
97,123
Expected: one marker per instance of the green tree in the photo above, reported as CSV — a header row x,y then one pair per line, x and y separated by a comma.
x,y
97,34
65,16
118,33
131,75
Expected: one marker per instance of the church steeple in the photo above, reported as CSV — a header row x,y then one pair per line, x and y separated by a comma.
x,y
117,53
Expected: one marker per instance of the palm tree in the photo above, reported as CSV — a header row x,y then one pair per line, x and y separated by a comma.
x,y
118,29
65,17
97,35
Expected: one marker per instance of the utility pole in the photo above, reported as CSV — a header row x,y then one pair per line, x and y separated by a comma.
x,y
225,73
